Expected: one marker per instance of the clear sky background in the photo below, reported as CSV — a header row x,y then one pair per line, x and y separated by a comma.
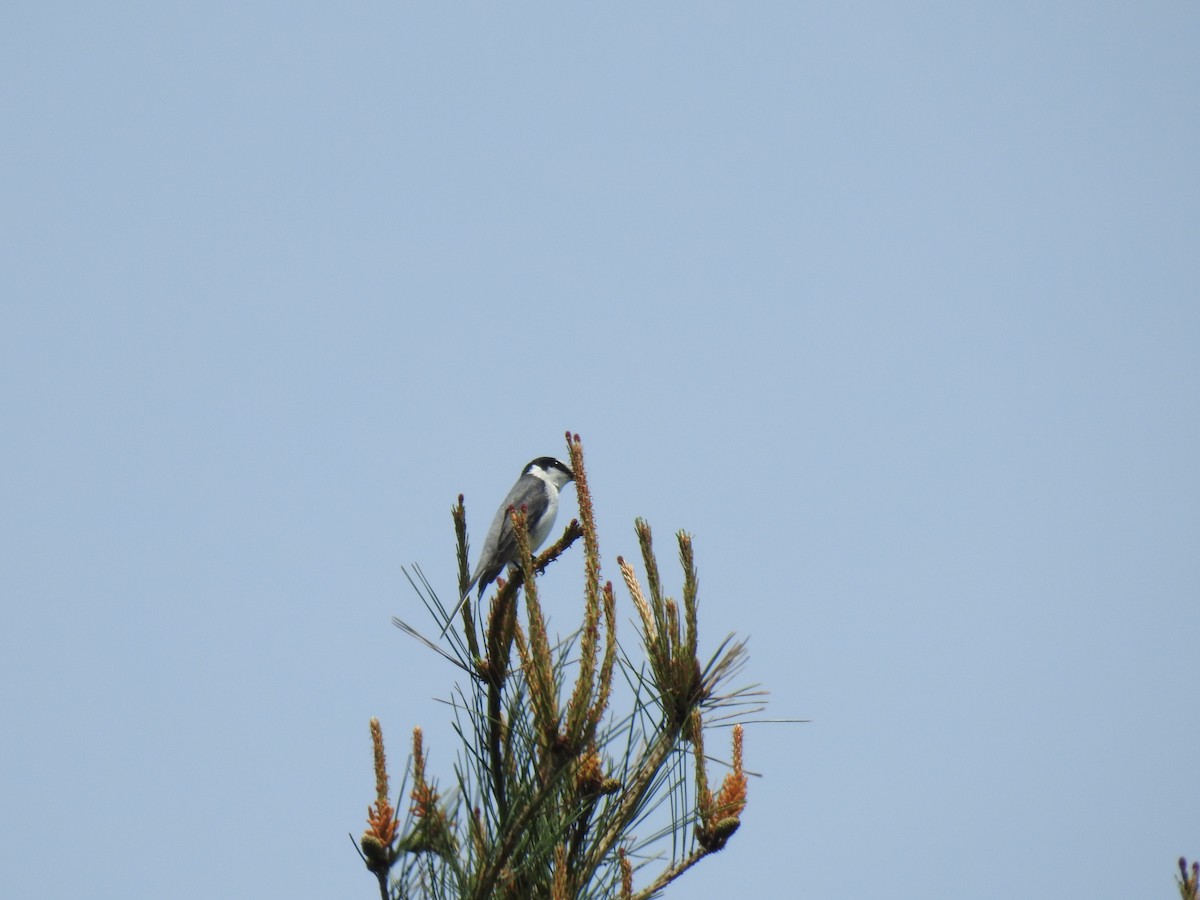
x,y
894,306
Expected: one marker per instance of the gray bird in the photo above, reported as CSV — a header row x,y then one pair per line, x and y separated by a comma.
x,y
536,490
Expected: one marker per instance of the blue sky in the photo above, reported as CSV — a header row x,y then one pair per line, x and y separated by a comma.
x,y
893,306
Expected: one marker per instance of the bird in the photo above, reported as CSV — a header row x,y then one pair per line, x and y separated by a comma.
x,y
537,491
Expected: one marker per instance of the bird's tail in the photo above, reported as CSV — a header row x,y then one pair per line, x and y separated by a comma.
x,y
458,606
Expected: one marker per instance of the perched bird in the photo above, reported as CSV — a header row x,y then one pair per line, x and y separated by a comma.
x,y
537,491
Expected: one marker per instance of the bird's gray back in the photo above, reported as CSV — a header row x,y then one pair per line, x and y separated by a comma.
x,y
500,545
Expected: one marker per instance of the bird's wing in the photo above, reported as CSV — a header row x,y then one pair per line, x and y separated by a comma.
x,y
500,545
506,538
535,507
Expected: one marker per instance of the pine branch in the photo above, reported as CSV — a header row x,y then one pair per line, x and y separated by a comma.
x,y
576,755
